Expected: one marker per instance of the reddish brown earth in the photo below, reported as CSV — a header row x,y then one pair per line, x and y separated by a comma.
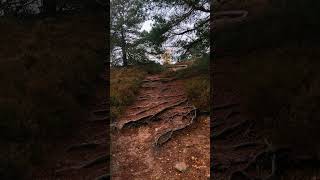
x,y
85,154
160,129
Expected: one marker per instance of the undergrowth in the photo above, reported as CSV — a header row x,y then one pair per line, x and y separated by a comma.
x,y
199,66
125,83
197,82
198,91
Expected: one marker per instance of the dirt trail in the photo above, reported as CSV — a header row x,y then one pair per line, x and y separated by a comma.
x,y
85,155
160,129
237,148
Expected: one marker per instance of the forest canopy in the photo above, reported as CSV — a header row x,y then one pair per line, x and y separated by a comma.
x,y
180,25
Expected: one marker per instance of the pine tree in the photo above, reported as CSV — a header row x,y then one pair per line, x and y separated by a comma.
x,y
173,27
126,19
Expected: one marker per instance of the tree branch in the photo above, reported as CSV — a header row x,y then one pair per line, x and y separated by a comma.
x,y
190,30
194,6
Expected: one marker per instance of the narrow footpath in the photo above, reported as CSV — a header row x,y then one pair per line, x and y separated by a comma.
x,y
161,136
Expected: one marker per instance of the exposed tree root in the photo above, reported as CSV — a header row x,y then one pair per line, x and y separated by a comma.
x,y
102,119
88,164
203,112
223,133
98,160
270,153
151,80
174,115
225,106
166,136
246,145
168,79
164,89
101,112
151,87
90,145
145,119
103,177
152,107
142,98
232,114
170,96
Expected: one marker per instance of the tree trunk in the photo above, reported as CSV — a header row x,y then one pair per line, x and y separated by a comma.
x,y
123,47
49,7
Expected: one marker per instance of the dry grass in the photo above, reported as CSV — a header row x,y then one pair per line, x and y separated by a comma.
x,y
124,84
198,91
197,83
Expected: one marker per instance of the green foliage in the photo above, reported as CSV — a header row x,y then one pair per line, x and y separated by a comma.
x,y
156,37
126,19
151,67
170,27
199,66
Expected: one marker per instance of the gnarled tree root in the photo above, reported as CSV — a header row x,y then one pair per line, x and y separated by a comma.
x,y
147,118
166,136
223,133
272,154
88,164
90,145
102,119
152,107
103,177
224,106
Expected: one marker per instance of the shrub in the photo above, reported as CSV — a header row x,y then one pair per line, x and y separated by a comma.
x,y
199,66
196,80
152,67
198,91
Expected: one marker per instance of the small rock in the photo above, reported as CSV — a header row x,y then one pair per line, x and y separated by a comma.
x,y
192,157
181,166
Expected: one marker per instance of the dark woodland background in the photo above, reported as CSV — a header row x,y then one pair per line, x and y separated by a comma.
x,y
273,57
52,56
53,52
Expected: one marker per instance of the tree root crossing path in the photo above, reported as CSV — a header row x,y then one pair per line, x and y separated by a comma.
x,y
161,135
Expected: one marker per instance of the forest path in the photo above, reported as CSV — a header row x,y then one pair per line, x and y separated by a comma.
x,y
159,131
